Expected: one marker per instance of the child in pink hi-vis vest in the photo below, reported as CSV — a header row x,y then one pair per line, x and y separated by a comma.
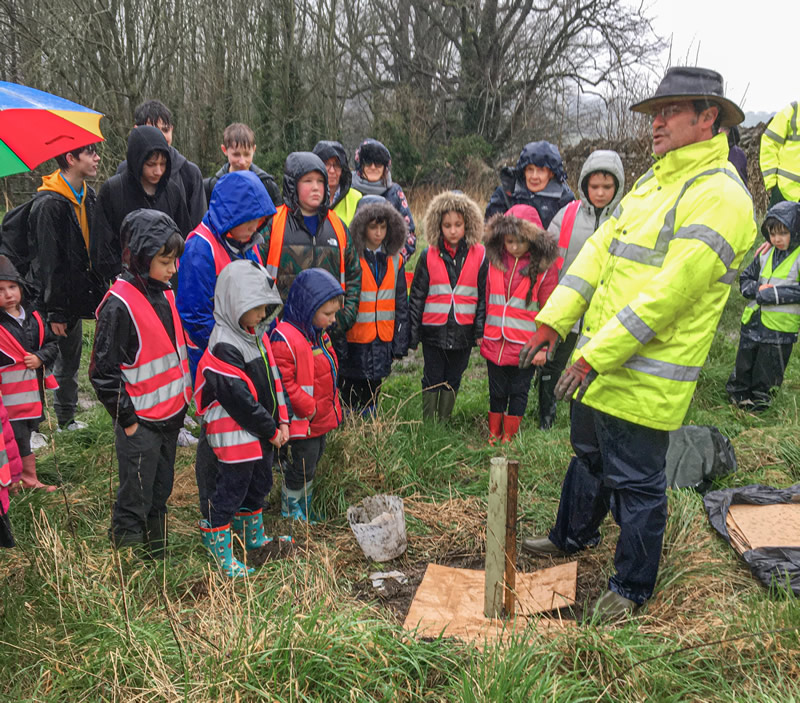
x,y
10,472
522,274
240,398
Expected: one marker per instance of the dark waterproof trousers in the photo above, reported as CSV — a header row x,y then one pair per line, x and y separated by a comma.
x,y
616,458
68,363
758,370
146,472
443,366
300,465
508,388
360,394
551,372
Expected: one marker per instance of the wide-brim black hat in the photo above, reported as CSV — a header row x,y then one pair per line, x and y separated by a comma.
x,y
692,83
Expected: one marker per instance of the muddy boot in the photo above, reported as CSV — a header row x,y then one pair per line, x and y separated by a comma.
x,y
29,477
157,537
430,400
447,401
611,606
495,428
547,399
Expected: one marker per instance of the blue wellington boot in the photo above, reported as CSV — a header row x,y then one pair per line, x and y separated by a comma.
x,y
218,542
296,504
252,523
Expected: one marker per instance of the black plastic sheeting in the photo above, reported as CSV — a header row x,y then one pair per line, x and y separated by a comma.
x,y
696,456
773,566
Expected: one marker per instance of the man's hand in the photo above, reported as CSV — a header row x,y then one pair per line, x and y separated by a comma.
x,y
131,429
543,338
579,375
59,328
31,361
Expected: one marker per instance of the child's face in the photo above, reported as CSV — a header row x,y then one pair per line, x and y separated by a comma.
x,y
376,233
373,172
452,227
240,158
334,169
10,295
252,318
244,232
515,246
87,163
601,189
162,266
537,177
311,192
154,168
326,314
166,130
780,237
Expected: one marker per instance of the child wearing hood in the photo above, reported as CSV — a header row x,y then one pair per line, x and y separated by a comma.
x,y
309,369
380,333
373,176
140,372
771,319
446,304
601,187
539,180
28,350
239,207
343,197
145,184
522,274
245,418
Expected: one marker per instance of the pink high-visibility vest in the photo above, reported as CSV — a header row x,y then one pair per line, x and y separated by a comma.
x,y
463,299
510,319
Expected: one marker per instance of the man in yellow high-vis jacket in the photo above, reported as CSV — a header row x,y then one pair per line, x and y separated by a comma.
x,y
651,284
780,156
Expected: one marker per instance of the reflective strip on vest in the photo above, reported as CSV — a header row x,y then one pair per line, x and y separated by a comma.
x,y
565,234
278,230
781,318
511,319
231,443
441,298
376,305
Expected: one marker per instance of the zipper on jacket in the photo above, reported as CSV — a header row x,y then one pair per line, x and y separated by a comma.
x,y
508,297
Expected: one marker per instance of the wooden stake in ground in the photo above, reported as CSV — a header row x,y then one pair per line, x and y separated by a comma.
x,y
511,538
496,538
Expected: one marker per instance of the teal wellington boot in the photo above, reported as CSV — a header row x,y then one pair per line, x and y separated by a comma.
x,y
296,504
251,523
218,542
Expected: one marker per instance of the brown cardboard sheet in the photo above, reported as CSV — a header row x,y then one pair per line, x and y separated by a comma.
x,y
755,526
451,601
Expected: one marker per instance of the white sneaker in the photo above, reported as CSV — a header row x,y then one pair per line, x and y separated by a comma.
x,y
186,438
38,440
74,425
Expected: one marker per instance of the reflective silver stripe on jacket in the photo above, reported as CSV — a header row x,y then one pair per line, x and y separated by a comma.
x,y
578,284
655,367
18,376
640,330
773,136
23,398
151,369
436,307
231,438
375,316
788,175
143,402
655,256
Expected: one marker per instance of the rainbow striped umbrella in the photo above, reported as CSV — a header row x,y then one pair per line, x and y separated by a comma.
x,y
36,126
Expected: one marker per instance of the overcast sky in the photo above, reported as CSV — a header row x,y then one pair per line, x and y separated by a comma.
x,y
755,50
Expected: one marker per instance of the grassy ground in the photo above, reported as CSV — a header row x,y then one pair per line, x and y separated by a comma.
x,y
79,623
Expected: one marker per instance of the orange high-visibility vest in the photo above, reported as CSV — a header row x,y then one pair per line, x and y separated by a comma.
x,y
565,234
510,319
158,381
300,347
463,299
276,241
231,443
19,384
376,305
219,254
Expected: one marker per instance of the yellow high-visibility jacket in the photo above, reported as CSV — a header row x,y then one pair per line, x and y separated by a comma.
x,y
652,282
346,207
780,153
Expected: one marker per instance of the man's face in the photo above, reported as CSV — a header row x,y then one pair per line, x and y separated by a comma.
x,y
86,163
334,169
166,130
677,124
240,157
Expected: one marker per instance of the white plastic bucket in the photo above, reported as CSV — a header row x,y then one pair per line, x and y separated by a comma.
x,y
379,524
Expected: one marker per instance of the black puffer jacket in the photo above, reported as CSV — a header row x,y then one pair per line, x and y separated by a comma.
x,y
302,250
116,340
123,193
451,335
374,360
788,214
267,179
513,191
